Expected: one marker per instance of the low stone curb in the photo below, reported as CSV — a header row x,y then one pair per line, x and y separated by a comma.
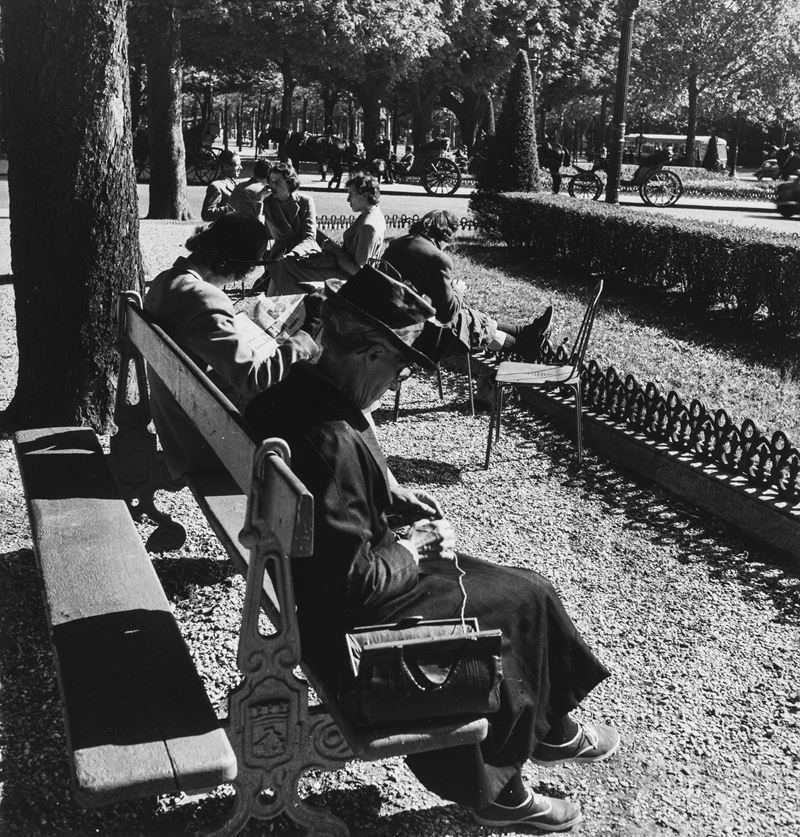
x,y
752,509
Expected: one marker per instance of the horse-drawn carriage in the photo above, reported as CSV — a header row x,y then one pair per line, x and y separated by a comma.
x,y
657,186
437,172
202,164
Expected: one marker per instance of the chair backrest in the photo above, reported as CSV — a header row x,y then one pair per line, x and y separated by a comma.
x,y
585,331
385,267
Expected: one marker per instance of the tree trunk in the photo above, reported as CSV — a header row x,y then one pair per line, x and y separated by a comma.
x,y
164,82
137,94
289,85
691,119
490,120
371,105
73,208
422,102
330,96
469,112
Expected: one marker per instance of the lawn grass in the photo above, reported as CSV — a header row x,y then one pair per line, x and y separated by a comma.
x,y
647,334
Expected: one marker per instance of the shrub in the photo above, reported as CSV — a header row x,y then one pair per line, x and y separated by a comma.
x,y
512,164
746,270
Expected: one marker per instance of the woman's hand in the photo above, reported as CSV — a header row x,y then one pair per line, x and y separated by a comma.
x,y
432,538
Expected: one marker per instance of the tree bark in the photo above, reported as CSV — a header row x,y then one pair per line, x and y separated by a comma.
x,y
422,102
371,107
164,82
691,127
289,85
330,96
73,208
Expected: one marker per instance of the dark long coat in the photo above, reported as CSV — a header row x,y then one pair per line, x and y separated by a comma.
x,y
430,271
359,574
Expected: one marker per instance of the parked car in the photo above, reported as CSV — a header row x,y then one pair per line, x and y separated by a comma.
x,y
769,168
787,197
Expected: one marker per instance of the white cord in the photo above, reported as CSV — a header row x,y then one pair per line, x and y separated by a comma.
x,y
463,589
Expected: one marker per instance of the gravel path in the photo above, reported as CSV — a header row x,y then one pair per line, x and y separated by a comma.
x,y
699,628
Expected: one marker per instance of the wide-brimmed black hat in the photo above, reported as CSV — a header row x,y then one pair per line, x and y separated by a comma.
x,y
396,310
237,238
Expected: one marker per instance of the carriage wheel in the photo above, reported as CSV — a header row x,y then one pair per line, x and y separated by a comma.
x,y
142,169
587,187
441,177
206,166
662,188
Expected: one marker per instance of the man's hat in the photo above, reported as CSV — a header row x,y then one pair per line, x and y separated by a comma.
x,y
237,238
393,308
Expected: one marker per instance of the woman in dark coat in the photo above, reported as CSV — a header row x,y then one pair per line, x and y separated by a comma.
x,y
362,574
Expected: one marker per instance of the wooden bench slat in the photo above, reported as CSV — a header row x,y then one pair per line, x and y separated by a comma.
x,y
208,407
137,716
224,507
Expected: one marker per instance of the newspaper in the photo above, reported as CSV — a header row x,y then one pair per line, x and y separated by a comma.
x,y
268,320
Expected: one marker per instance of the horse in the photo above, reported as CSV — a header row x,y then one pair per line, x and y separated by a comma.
x,y
299,147
552,156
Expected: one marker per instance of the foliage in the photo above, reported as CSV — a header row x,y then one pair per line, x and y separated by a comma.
x,y
709,264
512,163
714,52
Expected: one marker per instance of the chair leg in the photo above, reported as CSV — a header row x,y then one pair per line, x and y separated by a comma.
x,y
492,416
501,393
471,387
579,421
439,381
397,401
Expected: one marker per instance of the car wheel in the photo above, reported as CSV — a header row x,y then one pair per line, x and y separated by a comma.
x,y
786,211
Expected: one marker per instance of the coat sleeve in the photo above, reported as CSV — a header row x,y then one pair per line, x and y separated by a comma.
x,y
362,559
215,203
210,332
308,232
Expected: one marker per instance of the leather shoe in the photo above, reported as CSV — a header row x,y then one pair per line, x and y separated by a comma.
x,y
592,743
543,812
533,335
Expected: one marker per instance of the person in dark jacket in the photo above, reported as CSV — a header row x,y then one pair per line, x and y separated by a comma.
x,y
361,573
215,203
420,259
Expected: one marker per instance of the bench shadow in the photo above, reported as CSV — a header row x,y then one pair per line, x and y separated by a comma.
x,y
36,796
425,471
697,534
179,576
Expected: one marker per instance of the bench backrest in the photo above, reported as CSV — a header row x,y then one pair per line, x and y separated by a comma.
x,y
289,506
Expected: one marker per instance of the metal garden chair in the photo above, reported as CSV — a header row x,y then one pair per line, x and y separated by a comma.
x,y
522,375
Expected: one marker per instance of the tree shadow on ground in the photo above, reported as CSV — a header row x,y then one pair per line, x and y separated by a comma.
x,y
664,309
667,519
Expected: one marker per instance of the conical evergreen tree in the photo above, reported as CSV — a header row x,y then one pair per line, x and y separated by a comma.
x,y
512,164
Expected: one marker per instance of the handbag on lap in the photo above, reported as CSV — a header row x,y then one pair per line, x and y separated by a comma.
x,y
418,669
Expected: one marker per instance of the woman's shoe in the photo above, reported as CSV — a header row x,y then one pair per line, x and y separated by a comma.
x,y
542,812
592,743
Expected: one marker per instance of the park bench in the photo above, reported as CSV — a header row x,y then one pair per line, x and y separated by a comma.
x,y
263,516
137,716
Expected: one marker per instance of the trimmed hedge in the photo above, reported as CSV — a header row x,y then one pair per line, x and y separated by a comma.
x,y
748,271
